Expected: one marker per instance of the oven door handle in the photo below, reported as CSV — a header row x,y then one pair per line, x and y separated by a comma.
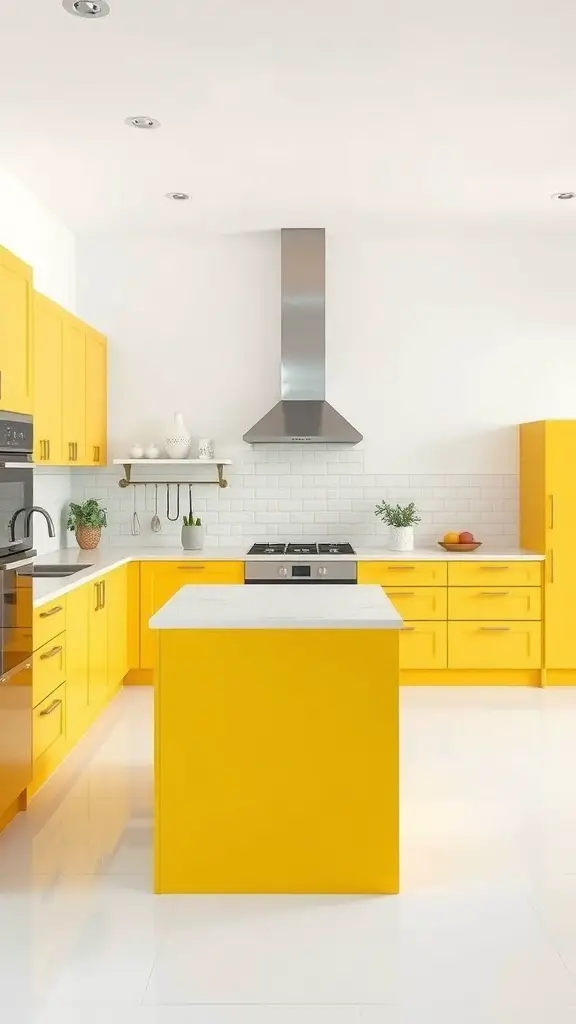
x,y
24,666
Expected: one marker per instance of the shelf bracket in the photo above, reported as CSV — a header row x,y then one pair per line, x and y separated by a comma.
x,y
127,476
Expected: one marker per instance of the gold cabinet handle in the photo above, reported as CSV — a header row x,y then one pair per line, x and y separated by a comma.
x,y
51,654
401,568
103,592
70,452
48,447
97,592
52,707
495,568
551,511
494,593
53,611
405,593
192,568
408,629
494,629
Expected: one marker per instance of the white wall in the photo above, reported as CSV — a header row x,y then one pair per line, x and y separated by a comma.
x,y
30,231
437,344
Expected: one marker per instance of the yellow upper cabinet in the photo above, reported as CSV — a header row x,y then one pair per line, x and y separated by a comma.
x,y
73,391
16,313
96,398
547,502
48,322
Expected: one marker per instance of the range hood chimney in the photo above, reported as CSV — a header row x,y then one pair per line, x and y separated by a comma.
x,y
303,414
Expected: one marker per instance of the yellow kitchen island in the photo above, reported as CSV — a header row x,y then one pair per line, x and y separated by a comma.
x,y
276,740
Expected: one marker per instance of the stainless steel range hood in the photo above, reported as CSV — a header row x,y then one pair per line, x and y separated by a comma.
x,y
303,414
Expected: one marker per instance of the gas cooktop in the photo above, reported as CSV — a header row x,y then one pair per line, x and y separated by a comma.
x,y
301,548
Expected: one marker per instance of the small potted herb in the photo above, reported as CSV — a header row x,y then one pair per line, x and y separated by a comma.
x,y
86,521
401,520
192,534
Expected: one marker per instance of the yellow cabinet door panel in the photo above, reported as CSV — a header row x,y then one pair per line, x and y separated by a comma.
x,y
73,391
494,603
494,645
49,663
419,602
96,398
49,726
97,647
48,621
423,645
499,574
393,574
159,581
16,334
77,687
115,596
48,321
559,504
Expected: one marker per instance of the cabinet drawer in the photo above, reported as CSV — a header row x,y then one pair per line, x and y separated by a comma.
x,y
423,645
392,573
494,645
49,620
500,574
49,667
494,603
49,722
184,573
419,602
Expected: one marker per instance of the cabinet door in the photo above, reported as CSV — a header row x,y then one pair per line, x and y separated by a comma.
x,y
77,687
16,312
48,320
73,391
116,606
161,580
97,648
96,398
560,587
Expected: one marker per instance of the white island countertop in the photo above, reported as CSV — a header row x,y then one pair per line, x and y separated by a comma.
x,y
269,606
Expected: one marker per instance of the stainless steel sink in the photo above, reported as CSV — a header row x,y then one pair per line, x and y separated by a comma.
x,y
48,571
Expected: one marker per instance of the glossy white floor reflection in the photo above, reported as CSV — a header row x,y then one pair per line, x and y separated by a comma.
x,y
483,933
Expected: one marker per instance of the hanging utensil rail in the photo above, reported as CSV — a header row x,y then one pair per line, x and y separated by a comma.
x,y
127,480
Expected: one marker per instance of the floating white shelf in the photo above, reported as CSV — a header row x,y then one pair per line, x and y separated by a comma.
x,y
172,462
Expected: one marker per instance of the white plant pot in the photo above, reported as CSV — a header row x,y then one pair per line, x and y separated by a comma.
x,y
192,538
401,538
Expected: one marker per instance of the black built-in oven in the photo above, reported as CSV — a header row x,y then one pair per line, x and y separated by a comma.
x,y
16,484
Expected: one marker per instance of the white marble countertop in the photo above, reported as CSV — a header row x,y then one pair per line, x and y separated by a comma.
x,y
107,558
331,606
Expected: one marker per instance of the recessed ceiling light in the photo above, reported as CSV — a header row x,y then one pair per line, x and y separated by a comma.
x,y
564,195
179,196
142,122
87,8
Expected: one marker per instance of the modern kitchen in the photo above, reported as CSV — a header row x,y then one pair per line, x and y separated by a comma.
x,y
287,646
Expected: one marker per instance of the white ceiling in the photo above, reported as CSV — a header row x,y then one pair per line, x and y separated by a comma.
x,y
280,112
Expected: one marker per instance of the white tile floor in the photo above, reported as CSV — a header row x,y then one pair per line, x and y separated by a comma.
x,y
483,933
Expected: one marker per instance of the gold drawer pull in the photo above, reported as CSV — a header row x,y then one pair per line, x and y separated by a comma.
x,y
50,654
51,707
494,629
192,568
494,593
53,611
495,568
401,568
408,629
404,593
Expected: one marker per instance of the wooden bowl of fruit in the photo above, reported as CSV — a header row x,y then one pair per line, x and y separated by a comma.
x,y
461,542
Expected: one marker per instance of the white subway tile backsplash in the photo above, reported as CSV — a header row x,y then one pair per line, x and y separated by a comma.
x,y
315,491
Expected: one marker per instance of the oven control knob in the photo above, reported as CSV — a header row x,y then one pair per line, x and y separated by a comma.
x,y
282,571
322,571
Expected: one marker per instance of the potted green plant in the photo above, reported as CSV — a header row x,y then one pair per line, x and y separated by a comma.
x,y
86,521
401,519
192,534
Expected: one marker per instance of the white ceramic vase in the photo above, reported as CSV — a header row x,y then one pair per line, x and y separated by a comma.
x,y
178,442
401,538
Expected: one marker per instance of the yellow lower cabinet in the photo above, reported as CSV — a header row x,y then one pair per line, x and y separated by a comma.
x,y
494,645
159,581
495,603
49,664
397,573
499,573
77,688
419,602
116,607
97,647
423,645
49,736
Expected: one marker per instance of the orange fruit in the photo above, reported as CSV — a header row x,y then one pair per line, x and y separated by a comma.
x,y
452,538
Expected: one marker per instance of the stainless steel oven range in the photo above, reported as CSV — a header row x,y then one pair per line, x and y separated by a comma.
x,y
301,563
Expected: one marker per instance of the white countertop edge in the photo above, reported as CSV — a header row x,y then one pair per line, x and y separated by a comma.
x,y
106,559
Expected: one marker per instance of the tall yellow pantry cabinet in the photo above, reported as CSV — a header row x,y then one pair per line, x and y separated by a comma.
x,y
16,337
547,523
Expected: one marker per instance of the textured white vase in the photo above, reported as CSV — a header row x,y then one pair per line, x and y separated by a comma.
x,y
178,442
401,538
